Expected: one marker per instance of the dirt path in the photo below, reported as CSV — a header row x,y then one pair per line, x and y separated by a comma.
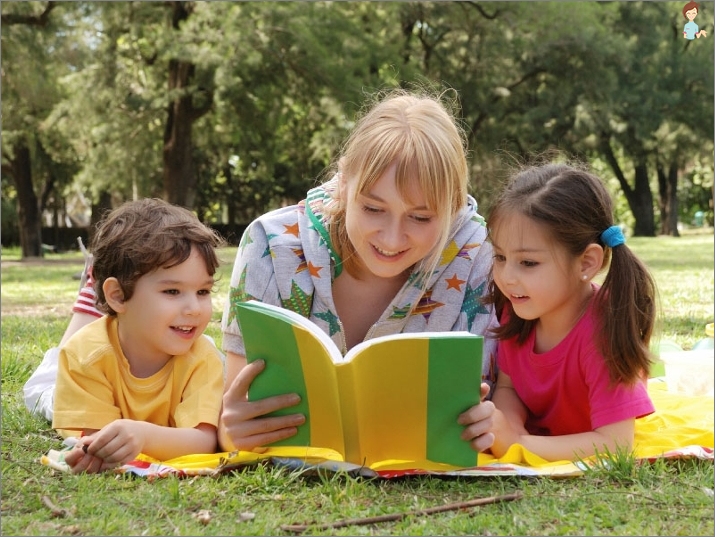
x,y
57,307
39,261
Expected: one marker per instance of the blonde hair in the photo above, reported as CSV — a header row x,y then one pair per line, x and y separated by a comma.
x,y
420,134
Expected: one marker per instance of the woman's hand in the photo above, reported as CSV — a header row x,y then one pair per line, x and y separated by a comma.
x,y
242,425
478,423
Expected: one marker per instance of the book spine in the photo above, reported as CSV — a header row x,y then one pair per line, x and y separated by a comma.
x,y
323,421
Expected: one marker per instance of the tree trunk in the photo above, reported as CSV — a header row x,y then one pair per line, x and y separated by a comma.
x,y
28,209
642,204
639,198
99,209
232,201
662,199
668,199
673,207
180,176
180,173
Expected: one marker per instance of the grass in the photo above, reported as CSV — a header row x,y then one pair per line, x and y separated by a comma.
x,y
620,498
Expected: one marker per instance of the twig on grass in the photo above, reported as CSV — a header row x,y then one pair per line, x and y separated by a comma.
x,y
57,512
300,528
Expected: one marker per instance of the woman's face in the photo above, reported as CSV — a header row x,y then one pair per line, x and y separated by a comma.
x,y
390,233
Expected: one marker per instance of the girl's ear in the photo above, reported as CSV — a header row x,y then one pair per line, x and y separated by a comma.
x,y
113,294
591,261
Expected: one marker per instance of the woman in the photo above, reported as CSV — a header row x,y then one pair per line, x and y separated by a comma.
x,y
390,243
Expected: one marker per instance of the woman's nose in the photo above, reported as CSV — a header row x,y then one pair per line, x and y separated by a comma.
x,y
393,235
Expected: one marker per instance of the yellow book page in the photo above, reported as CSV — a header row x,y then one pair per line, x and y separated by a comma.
x,y
383,394
319,373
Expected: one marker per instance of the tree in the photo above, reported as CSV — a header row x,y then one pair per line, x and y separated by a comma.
x,y
235,108
657,107
286,92
187,103
29,41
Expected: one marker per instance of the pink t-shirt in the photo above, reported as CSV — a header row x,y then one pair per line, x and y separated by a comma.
x,y
567,389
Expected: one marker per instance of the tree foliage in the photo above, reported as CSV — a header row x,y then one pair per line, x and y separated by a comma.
x,y
234,108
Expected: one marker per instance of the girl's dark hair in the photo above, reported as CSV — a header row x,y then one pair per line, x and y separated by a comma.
x,y
142,236
576,208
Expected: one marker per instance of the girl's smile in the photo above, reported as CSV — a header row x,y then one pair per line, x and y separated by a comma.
x,y
537,276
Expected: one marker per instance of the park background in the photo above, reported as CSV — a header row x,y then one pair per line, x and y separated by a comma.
x,y
235,108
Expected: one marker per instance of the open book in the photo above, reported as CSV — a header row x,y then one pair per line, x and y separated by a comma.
x,y
390,398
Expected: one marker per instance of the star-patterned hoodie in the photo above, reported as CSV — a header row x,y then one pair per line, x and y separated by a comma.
x,y
286,258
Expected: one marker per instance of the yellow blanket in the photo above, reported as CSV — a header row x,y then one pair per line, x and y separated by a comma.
x,y
681,426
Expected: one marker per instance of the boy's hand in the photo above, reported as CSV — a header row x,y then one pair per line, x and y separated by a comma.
x,y
80,461
117,443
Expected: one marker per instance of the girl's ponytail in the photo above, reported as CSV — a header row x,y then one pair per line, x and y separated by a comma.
x,y
626,311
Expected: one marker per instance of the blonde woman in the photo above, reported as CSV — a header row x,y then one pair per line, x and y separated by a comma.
x,y
390,243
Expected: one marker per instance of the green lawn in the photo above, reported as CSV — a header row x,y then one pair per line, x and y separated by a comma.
x,y
664,498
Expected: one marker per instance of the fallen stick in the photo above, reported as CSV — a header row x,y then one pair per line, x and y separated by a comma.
x,y
57,512
300,528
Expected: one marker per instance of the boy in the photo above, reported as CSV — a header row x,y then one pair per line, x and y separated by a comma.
x,y
142,379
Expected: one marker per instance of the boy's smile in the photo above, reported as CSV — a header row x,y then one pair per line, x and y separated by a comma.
x,y
169,309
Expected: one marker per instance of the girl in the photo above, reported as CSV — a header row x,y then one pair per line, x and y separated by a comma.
x,y
391,243
573,356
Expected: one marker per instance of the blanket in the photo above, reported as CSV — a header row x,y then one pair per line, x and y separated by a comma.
x,y
681,427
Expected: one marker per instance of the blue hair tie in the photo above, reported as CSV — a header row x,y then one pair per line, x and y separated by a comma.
x,y
613,237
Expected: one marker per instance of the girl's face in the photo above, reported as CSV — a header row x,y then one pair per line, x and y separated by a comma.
x,y
390,233
536,274
168,311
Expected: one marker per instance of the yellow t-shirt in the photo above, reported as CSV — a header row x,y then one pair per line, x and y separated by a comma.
x,y
95,385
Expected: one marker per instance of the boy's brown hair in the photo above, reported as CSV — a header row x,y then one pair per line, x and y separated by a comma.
x,y
142,236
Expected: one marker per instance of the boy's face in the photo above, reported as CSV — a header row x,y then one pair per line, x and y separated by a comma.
x,y
169,310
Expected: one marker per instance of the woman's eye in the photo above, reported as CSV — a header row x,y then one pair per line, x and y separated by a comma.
x,y
204,292
499,258
171,291
369,209
422,219
529,263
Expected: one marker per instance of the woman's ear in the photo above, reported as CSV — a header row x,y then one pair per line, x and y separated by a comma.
x,y
113,294
591,261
